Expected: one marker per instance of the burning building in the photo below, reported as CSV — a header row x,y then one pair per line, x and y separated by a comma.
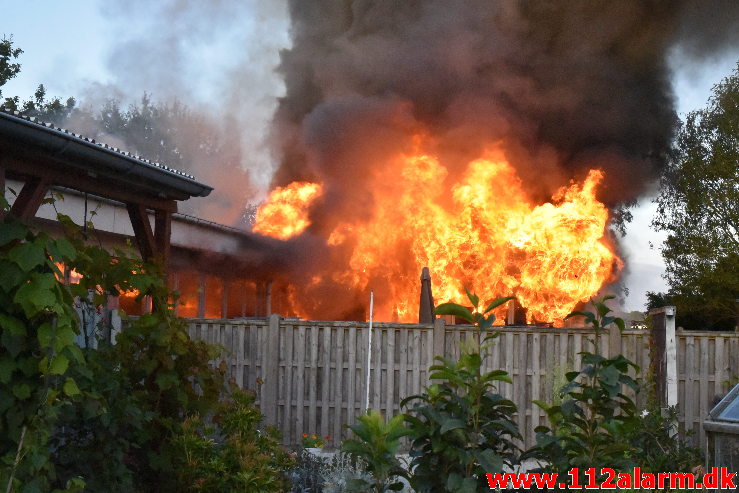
x,y
497,143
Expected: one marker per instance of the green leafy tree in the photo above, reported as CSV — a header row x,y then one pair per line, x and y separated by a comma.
x,y
9,67
53,110
697,208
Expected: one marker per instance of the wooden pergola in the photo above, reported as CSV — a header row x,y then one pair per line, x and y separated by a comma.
x,y
42,155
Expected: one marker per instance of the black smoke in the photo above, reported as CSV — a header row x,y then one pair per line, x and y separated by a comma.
x,y
564,86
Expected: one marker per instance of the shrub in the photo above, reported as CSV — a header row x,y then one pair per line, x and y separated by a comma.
x,y
231,454
37,330
112,417
461,429
591,425
597,425
377,447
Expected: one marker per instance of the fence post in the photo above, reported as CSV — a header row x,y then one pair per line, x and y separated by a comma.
x,y
664,358
614,341
270,372
439,337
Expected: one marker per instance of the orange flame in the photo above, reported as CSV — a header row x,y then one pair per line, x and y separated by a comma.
x,y
284,214
487,236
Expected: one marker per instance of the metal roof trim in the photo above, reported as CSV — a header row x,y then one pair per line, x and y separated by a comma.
x,y
118,160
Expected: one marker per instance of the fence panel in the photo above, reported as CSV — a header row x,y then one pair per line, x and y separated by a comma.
x,y
707,364
310,376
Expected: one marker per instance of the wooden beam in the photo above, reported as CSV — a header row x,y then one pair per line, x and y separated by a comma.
x,y
162,234
142,230
2,190
78,180
29,200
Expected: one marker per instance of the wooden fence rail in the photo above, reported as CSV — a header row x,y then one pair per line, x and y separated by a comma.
x,y
310,375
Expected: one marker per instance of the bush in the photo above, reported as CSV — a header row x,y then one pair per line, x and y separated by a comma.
x,y
596,425
461,428
376,448
231,453
37,330
113,418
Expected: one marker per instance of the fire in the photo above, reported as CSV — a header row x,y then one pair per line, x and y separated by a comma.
x,y
284,214
486,235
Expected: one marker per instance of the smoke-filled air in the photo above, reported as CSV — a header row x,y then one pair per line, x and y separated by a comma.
x,y
498,143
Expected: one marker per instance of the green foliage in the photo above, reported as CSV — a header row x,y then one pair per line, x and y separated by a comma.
x,y
131,397
657,447
594,424
9,68
231,454
590,427
697,209
37,330
461,429
377,447
113,418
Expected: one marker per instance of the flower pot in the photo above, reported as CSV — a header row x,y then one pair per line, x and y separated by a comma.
x,y
314,450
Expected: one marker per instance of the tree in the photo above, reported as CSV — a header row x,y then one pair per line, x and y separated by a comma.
x,y
697,207
52,110
9,68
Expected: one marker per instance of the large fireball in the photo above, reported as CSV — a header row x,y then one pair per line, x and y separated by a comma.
x,y
487,236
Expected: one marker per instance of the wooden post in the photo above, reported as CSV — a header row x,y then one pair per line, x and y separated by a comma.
x,y
664,357
270,372
426,306
162,234
224,297
614,341
259,300
439,337
268,298
511,315
142,230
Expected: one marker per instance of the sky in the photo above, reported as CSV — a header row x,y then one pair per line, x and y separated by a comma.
x,y
89,48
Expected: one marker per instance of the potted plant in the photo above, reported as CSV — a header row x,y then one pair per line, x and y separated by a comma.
x,y
314,443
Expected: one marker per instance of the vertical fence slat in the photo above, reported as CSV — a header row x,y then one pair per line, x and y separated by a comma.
x,y
351,404
300,382
338,382
325,359
289,431
390,402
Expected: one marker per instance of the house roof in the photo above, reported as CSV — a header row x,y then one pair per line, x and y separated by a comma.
x,y
31,147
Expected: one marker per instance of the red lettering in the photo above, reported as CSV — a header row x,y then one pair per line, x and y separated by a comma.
x,y
608,483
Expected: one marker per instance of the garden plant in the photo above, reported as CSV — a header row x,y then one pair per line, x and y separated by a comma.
x,y
460,427
111,419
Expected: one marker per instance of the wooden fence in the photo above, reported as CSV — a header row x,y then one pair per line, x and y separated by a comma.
x,y
310,376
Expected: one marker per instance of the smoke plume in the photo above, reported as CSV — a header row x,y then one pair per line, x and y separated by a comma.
x,y
559,87
564,86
